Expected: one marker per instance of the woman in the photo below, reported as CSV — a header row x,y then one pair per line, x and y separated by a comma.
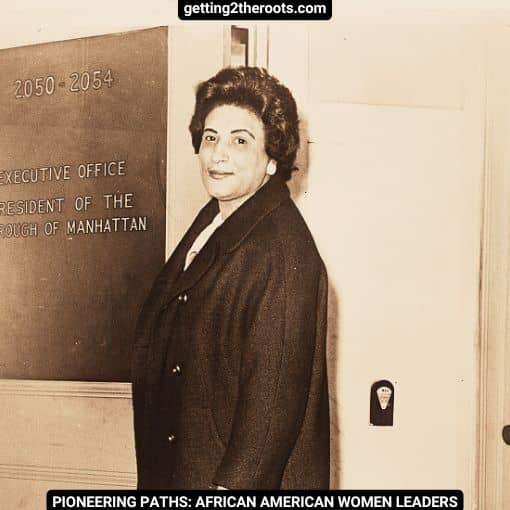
x,y
229,371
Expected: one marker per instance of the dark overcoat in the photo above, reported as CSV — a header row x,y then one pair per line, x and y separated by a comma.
x,y
229,366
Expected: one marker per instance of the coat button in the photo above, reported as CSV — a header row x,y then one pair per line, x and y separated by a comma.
x,y
183,298
177,370
171,438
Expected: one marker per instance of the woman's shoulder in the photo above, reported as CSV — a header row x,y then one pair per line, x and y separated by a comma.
x,y
285,233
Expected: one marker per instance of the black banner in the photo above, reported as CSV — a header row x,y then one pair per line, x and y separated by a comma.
x,y
255,10
345,499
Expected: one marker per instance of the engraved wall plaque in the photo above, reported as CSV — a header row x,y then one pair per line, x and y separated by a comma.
x,y
82,201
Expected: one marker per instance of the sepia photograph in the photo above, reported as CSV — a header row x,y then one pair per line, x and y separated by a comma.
x,y
254,254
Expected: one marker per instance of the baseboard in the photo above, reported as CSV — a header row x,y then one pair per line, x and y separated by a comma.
x,y
72,476
65,388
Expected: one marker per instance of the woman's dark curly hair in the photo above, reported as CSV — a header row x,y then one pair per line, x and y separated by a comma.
x,y
256,90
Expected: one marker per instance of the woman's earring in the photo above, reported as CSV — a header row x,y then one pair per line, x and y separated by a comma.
x,y
271,167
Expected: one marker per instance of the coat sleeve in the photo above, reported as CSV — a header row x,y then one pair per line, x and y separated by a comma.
x,y
276,370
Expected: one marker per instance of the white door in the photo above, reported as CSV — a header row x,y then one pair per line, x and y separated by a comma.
x,y
391,187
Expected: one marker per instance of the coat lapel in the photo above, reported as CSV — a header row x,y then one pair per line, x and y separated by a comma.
x,y
239,225
225,239
166,286
198,267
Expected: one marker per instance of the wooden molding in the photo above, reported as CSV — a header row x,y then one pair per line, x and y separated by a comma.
x,y
72,476
495,280
31,388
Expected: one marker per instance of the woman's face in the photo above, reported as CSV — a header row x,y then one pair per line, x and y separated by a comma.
x,y
232,154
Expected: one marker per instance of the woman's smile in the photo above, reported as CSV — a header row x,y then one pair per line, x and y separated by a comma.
x,y
219,174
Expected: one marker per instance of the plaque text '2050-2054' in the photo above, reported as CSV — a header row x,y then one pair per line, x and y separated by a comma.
x,y
75,82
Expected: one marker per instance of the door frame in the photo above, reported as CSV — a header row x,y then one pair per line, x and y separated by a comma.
x,y
494,273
